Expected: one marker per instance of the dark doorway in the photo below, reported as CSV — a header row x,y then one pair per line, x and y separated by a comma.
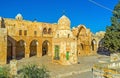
x,y
33,48
20,50
45,48
9,51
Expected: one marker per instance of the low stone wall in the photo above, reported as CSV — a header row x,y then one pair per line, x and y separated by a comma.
x,y
107,70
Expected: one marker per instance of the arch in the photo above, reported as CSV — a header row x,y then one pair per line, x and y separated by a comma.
x,y
93,44
20,49
44,30
82,46
45,47
49,31
9,50
33,48
81,31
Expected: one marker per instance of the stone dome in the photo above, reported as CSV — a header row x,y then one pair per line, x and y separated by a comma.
x,y
64,23
19,17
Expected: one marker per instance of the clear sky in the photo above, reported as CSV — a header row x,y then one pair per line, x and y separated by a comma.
x,y
95,17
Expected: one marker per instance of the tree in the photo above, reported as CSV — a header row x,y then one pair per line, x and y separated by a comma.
x,y
112,35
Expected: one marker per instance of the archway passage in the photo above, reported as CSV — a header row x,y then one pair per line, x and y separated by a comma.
x,y
33,48
20,50
93,44
45,47
9,51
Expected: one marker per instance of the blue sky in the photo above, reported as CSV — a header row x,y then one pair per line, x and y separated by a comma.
x,y
79,11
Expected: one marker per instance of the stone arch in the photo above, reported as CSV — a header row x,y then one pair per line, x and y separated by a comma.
x,y
33,47
9,50
20,49
44,31
81,31
49,31
45,47
93,44
82,46
11,47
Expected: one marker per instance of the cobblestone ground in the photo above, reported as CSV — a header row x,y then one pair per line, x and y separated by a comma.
x,y
82,70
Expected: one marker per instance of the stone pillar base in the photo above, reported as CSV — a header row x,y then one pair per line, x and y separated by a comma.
x,y
26,55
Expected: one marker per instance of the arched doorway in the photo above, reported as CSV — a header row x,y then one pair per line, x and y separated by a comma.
x,y
20,50
82,47
9,51
93,45
45,48
33,48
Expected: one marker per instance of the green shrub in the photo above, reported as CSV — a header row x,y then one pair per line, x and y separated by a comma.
x,y
33,71
4,72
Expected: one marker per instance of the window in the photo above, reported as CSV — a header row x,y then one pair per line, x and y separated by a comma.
x,y
35,33
49,31
25,32
20,32
57,35
44,31
68,35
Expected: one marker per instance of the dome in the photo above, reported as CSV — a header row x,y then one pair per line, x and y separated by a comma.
x,y
19,17
64,23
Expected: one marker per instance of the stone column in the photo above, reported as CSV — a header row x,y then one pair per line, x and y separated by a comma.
x,y
39,51
27,52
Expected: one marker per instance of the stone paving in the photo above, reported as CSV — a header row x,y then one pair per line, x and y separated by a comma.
x,y
61,71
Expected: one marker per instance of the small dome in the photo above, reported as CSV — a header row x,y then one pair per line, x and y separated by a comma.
x,y
64,23
19,17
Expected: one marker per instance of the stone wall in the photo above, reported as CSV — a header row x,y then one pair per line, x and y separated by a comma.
x,y
109,70
3,45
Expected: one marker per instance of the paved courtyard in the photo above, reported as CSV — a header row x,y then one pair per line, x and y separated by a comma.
x,y
81,70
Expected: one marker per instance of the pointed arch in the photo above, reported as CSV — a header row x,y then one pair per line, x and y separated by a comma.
x,y
20,49
93,44
33,48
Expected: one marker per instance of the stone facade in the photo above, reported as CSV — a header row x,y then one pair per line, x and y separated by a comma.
x,y
24,39
86,44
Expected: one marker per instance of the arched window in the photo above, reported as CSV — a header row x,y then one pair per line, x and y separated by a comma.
x,y
68,35
49,31
44,31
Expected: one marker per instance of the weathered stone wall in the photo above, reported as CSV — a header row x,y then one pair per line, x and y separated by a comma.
x,y
109,70
3,45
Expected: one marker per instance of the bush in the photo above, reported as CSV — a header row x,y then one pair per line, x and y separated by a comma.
x,y
4,72
33,71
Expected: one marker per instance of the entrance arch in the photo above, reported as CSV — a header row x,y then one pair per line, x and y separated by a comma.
x,y
9,51
20,49
94,45
45,47
33,48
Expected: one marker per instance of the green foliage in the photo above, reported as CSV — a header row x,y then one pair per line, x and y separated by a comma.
x,y
4,72
33,71
112,36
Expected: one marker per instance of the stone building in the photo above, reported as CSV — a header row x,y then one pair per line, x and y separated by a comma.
x,y
86,45
23,39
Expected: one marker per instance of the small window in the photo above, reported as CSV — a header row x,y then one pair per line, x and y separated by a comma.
x,y
68,35
49,31
35,33
44,31
57,35
20,32
25,32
